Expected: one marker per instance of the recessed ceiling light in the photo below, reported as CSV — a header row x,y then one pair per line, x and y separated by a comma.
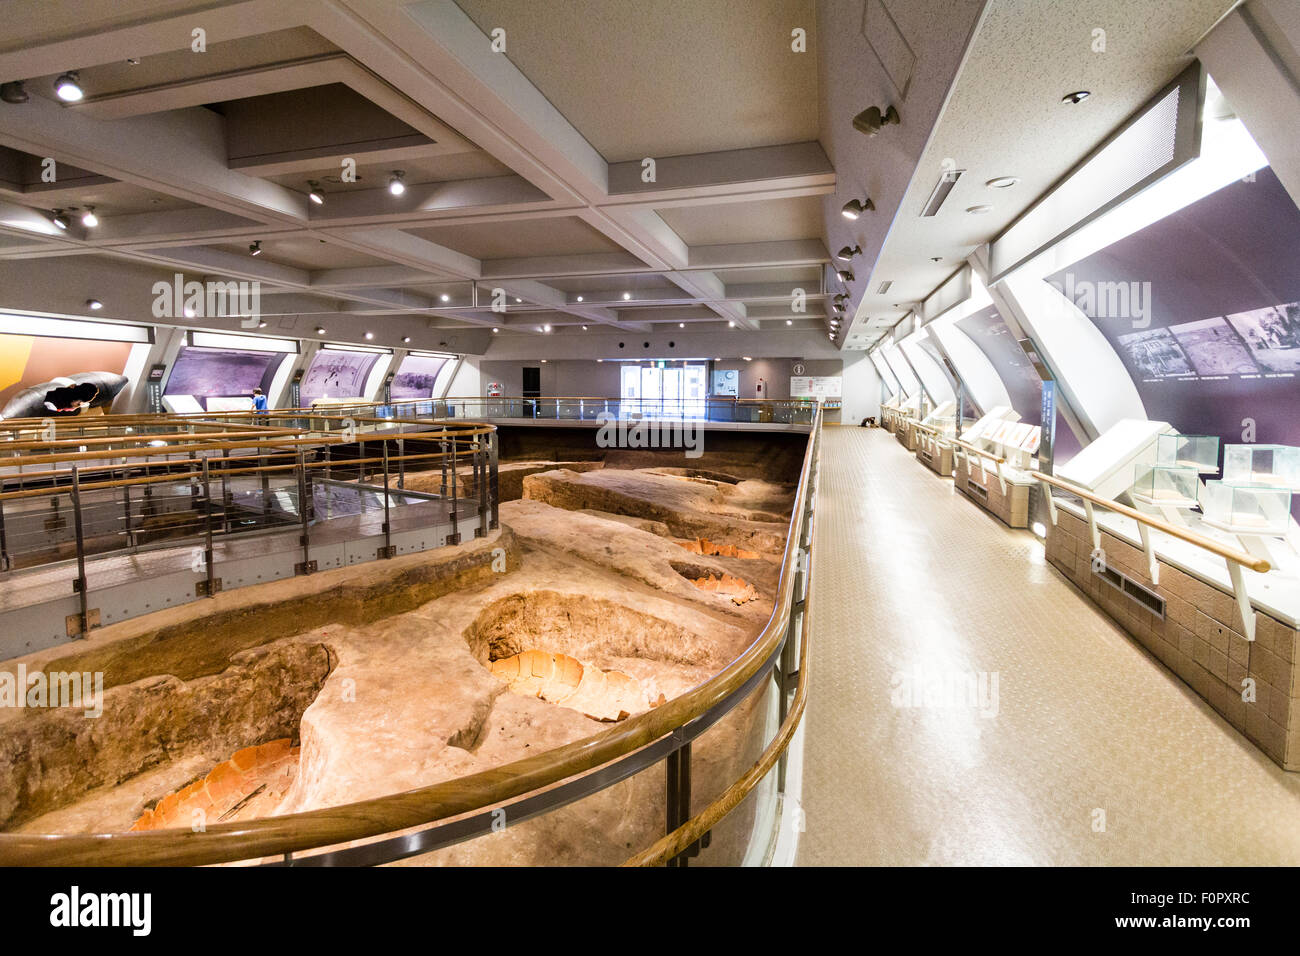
x,y
543,361
68,88
855,208
444,298
731,325
315,195
789,322
626,296
261,325
370,335
495,331
681,325
320,330
979,209
579,298
94,304
255,248
89,219
748,359
546,328
395,185
1002,182
584,328
406,338
1078,96
189,312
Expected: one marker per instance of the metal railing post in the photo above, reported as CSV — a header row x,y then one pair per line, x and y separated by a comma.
x,y
306,567
401,463
209,588
455,518
480,477
388,537
493,463
4,541
80,583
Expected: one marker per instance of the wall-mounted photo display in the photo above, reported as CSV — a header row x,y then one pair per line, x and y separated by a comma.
x,y
336,374
1203,308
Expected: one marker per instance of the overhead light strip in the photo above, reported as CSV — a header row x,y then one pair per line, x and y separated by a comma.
x,y
48,326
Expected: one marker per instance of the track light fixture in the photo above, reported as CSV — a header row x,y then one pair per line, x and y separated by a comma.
x,y
60,219
847,254
89,219
255,247
845,275
68,87
395,185
870,120
13,92
315,195
1077,97
855,208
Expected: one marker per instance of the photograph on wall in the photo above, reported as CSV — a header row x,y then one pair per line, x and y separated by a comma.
x,y
416,377
1272,334
27,361
204,372
1155,353
1214,348
336,374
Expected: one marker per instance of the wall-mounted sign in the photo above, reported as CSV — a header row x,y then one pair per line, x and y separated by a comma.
x,y
726,382
816,386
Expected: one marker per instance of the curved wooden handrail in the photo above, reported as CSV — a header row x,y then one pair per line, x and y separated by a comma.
x,y
1218,548
274,836
671,845
996,459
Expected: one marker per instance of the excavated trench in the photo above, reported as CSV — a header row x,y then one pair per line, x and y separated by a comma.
x,y
208,713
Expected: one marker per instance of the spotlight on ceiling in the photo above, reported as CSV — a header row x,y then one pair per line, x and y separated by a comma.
x,y
320,330
584,328
626,296
789,322
370,335
1078,96
261,325
855,208
845,275
60,219
870,120
406,339
315,195
495,331
94,304
395,185
546,328
89,219
444,298
681,325
846,254
190,312
68,88
13,92
255,247
731,324
579,298
1003,182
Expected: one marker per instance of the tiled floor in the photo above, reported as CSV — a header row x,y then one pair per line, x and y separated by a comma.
x,y
1090,752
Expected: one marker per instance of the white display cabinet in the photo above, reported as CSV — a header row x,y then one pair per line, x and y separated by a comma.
x,y
1246,509
1166,486
1276,466
1200,452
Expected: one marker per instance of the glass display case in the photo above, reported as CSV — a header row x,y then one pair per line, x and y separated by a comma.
x,y
1246,509
1166,485
1189,451
1277,466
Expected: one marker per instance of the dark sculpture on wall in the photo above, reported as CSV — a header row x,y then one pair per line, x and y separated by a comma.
x,y
65,395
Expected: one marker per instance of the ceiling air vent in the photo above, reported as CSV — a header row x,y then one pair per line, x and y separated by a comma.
x,y
941,191
884,286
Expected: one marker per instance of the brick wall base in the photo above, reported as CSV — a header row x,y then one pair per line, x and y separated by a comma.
x,y
1011,506
936,456
1198,638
